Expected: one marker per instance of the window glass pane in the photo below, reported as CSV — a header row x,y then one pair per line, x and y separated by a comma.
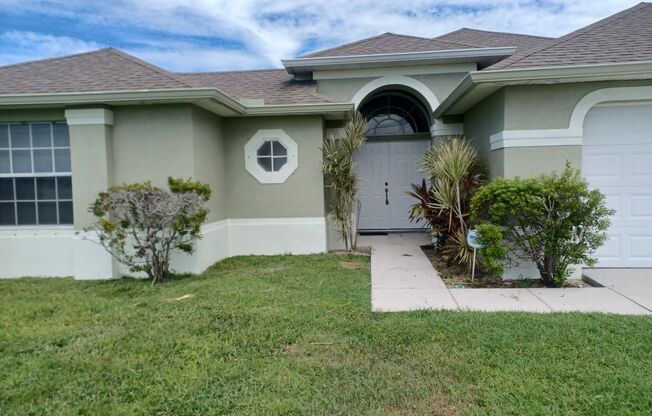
x,y
60,133
265,149
19,135
42,160
41,135
265,163
4,135
6,189
62,160
65,213
7,213
279,149
279,162
64,184
25,189
45,188
22,161
4,162
47,212
26,213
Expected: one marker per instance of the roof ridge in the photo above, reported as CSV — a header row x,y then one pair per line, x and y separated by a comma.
x,y
347,44
55,58
229,72
147,65
505,33
583,30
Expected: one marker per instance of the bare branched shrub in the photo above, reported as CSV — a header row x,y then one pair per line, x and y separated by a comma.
x,y
141,224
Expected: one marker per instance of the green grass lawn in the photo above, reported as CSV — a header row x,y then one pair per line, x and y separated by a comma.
x,y
295,335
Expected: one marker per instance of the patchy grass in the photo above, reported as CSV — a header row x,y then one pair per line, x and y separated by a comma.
x,y
295,335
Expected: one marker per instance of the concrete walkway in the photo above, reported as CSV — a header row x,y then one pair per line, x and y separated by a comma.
x,y
403,279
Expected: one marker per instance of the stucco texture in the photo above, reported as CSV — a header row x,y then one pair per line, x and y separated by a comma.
x,y
529,107
301,195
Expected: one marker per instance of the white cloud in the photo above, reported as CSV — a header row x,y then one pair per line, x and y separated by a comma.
x,y
274,29
31,45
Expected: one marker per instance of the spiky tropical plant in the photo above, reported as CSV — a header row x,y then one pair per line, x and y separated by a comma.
x,y
453,165
454,171
338,167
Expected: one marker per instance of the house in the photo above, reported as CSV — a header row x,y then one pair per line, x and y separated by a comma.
x,y
72,126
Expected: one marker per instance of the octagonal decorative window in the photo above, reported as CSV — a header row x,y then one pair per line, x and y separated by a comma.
x,y
271,156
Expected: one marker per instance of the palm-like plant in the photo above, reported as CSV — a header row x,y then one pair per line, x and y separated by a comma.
x,y
453,167
342,181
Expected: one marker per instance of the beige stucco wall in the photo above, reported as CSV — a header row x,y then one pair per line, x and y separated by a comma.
x,y
485,119
550,106
151,143
48,114
536,160
302,193
210,159
530,107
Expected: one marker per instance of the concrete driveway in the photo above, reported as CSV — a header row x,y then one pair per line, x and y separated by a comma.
x,y
634,284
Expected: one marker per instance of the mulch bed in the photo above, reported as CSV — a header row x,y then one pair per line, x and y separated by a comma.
x,y
455,276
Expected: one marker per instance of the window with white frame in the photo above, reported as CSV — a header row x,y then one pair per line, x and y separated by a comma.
x,y
35,174
271,156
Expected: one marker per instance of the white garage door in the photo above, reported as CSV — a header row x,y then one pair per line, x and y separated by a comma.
x,y
387,169
617,159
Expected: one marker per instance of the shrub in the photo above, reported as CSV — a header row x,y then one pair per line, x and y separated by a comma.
x,y
342,180
454,174
141,224
553,220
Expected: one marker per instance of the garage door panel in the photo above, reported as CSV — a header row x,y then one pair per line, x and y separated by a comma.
x,y
617,160
641,207
641,166
640,247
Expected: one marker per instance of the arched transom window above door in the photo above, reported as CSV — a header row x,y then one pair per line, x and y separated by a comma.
x,y
394,113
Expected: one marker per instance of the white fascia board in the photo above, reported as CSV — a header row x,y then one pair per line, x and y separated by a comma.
x,y
191,95
403,58
542,75
122,97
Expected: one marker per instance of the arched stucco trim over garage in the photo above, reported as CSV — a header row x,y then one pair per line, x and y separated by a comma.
x,y
574,134
615,94
399,80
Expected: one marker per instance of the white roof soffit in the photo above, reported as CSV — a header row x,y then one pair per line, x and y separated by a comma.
x,y
484,55
478,85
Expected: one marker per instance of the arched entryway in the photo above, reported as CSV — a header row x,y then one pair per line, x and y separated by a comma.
x,y
398,134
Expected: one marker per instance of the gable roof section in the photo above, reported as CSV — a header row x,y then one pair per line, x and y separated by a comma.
x,y
275,86
101,70
112,70
387,43
484,38
623,37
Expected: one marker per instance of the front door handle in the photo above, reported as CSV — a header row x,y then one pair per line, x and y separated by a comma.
x,y
386,194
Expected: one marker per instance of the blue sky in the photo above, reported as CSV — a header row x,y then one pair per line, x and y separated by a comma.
x,y
211,35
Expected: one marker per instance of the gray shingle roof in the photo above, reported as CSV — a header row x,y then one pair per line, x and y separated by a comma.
x,y
102,70
388,43
275,86
113,70
623,37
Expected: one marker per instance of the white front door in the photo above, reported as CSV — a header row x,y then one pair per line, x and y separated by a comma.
x,y
387,169
617,160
